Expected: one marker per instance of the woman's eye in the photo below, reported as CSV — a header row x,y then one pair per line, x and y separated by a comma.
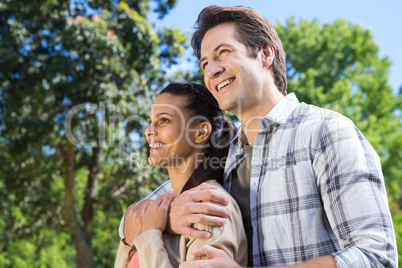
x,y
204,66
164,121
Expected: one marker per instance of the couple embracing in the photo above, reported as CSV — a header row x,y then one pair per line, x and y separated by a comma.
x,y
294,185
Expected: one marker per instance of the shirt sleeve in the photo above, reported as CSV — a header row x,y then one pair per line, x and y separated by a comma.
x,y
353,194
161,190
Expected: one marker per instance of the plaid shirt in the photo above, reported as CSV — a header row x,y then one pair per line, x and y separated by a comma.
x,y
316,189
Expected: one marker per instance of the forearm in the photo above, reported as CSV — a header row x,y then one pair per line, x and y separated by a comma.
x,y
321,262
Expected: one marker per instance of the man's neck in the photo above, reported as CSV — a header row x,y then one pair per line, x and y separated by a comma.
x,y
250,118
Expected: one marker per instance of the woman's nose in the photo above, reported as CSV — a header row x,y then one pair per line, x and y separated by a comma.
x,y
150,130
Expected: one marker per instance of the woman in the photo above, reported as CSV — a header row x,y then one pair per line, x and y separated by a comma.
x,y
189,135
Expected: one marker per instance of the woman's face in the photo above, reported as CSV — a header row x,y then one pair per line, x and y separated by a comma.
x,y
168,134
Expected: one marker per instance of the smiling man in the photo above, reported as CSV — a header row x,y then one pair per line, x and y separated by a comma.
x,y
308,183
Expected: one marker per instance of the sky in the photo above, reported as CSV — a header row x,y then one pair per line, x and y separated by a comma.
x,y
382,18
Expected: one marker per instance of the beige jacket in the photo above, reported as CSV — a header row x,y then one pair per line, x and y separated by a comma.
x,y
157,250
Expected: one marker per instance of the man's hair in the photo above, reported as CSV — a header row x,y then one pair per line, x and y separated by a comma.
x,y
252,30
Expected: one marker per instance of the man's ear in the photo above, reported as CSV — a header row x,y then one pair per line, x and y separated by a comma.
x,y
203,132
268,55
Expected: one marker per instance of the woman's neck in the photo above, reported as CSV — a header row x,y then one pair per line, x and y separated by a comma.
x,y
180,173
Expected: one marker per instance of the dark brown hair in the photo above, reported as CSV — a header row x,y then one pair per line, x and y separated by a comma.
x,y
252,30
201,103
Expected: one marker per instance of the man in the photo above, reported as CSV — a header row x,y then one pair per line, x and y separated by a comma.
x,y
308,183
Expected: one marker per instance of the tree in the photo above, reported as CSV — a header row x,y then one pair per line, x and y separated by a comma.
x,y
76,86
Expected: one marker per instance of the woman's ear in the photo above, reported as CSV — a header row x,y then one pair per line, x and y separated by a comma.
x,y
203,132
268,55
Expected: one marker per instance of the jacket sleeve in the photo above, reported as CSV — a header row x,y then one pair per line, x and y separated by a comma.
x,y
151,250
122,256
231,237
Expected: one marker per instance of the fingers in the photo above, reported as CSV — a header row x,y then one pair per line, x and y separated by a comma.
x,y
204,186
193,264
208,251
207,195
196,233
160,204
137,208
167,199
207,209
206,220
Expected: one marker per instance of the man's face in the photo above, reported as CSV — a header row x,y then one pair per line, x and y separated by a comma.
x,y
230,74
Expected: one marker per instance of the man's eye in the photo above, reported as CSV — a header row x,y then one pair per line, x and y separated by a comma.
x,y
223,51
204,65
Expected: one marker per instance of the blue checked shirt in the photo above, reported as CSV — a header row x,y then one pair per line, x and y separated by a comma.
x,y
316,189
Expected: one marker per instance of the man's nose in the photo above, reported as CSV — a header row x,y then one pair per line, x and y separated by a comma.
x,y
214,69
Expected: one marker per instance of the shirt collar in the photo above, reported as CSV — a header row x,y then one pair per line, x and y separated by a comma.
x,y
240,137
281,112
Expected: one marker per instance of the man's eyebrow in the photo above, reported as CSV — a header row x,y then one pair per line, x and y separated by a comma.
x,y
216,49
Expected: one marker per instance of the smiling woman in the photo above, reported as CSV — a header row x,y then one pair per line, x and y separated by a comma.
x,y
188,134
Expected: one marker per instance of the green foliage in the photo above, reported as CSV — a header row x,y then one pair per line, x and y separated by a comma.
x,y
70,78
54,250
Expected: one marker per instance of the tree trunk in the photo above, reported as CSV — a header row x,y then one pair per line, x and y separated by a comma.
x,y
81,238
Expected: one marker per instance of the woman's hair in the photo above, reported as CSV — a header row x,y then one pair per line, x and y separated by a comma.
x,y
202,104
252,30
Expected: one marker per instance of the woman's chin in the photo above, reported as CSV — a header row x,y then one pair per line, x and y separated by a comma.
x,y
157,162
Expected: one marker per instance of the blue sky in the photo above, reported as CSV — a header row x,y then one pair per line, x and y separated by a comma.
x,y
382,18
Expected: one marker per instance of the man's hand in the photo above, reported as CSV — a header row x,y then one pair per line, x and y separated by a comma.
x,y
197,206
155,214
217,258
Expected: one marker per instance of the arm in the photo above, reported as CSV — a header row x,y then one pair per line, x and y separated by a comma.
x,y
219,259
222,250
353,194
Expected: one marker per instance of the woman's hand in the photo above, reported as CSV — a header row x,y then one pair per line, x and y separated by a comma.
x,y
155,213
133,221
